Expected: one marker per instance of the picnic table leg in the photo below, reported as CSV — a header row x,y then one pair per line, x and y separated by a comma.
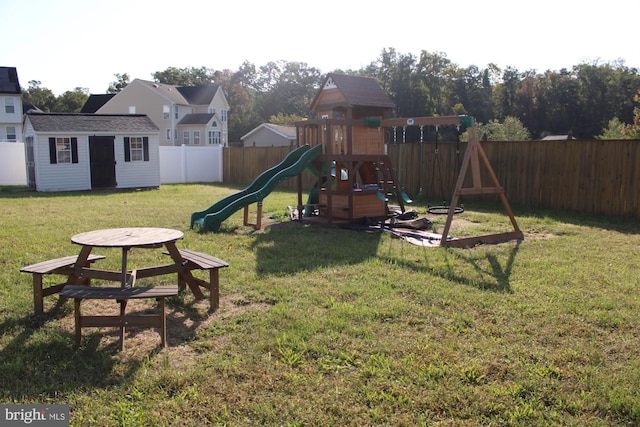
x,y
163,324
214,289
185,275
81,261
78,317
38,298
123,306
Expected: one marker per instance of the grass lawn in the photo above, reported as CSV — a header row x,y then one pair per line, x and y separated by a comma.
x,y
322,326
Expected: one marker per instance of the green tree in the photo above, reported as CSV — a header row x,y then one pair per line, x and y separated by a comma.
x,y
72,101
511,129
189,76
39,97
285,120
632,131
614,130
122,81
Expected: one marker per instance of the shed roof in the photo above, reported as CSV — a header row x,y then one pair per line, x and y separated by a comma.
x,y
356,90
78,122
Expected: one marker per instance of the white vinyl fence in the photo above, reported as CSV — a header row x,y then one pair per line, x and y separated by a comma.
x,y
13,169
177,164
190,164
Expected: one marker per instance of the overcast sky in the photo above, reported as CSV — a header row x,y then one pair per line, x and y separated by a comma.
x,y
82,43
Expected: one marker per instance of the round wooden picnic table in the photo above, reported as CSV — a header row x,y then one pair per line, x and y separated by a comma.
x,y
127,238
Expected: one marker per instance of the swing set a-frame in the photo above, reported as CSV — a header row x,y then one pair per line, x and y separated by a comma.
x,y
473,162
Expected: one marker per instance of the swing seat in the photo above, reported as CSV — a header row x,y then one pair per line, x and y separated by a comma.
x,y
406,198
381,196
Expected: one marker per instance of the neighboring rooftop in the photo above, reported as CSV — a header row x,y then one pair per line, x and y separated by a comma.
x,y
9,81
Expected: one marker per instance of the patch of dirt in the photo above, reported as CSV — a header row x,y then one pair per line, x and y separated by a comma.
x,y
182,326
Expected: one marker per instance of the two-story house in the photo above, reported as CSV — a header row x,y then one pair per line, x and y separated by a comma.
x,y
189,115
10,105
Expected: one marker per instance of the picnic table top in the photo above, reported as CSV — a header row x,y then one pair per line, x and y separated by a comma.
x,y
127,237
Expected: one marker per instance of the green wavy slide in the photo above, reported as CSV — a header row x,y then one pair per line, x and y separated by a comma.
x,y
294,164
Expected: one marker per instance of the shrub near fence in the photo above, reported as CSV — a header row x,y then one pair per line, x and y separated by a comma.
x,y
592,176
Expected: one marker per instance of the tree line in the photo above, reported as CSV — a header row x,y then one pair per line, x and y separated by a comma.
x,y
590,100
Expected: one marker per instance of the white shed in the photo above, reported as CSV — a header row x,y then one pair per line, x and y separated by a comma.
x,y
70,152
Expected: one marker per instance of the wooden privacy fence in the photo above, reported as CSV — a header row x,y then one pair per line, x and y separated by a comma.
x,y
593,176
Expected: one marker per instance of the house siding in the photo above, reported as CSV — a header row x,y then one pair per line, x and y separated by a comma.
x,y
150,101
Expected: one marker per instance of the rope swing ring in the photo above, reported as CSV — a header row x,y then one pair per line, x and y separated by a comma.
x,y
444,210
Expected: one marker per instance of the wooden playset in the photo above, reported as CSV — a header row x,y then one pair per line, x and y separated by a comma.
x,y
355,177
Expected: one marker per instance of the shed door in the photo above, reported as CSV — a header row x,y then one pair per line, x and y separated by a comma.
x,y
103,161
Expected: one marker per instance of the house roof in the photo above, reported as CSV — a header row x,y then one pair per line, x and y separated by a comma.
x,y
196,119
94,102
78,122
288,132
356,90
9,80
186,95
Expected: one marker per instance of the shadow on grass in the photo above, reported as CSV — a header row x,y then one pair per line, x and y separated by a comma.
x,y
39,363
492,270
291,247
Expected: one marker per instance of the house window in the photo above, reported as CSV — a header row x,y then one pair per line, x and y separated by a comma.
x,y
223,115
212,110
175,112
214,124
9,106
185,137
63,150
11,134
168,134
213,138
196,137
136,148
132,109
165,112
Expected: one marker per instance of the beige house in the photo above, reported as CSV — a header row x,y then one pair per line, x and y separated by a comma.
x,y
270,135
189,115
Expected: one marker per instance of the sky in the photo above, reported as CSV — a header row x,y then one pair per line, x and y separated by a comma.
x,y
66,44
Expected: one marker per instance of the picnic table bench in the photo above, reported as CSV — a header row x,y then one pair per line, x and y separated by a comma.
x,y
122,295
62,266
201,261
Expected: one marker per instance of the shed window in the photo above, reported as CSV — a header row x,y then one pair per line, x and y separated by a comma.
x,y
136,148
63,150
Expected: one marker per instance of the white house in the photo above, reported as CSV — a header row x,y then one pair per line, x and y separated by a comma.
x,y
189,115
10,106
270,135
68,152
